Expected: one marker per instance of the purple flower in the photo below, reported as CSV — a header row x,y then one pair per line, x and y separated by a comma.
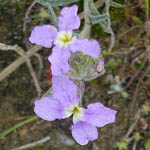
x,y
64,40
65,103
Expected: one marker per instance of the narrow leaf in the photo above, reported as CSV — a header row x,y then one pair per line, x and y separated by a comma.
x,y
97,19
42,2
47,4
147,8
56,3
137,20
53,16
116,5
20,124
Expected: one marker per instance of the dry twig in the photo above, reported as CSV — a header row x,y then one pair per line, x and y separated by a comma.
x,y
34,144
132,127
14,65
21,52
129,30
136,74
26,19
140,81
38,56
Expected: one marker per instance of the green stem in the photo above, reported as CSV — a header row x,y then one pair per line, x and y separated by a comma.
x,y
147,8
6,132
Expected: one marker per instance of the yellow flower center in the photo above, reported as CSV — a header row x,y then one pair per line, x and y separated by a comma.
x,y
64,38
76,111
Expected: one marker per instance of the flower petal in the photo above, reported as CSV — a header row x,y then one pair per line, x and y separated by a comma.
x,y
83,132
43,35
90,48
49,108
59,60
68,19
98,115
65,90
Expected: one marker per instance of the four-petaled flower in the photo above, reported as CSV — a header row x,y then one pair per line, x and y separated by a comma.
x,y
65,102
64,40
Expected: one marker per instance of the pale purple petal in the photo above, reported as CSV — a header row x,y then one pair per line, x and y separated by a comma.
x,y
90,48
98,115
49,108
59,61
65,90
68,19
83,132
43,35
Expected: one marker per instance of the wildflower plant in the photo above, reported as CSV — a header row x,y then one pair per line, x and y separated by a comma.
x,y
65,102
71,59
64,41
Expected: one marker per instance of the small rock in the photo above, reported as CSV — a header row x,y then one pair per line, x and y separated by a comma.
x,y
64,139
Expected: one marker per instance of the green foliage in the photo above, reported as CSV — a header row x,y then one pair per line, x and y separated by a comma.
x,y
147,9
138,64
56,3
113,63
123,144
146,108
117,13
116,88
107,53
119,1
97,19
147,144
43,14
137,20
102,19
97,30
137,137
17,2
20,124
116,5
5,2
120,117
19,5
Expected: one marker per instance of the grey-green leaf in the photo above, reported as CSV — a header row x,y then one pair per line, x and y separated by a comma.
x,y
97,19
124,94
43,2
48,93
56,3
116,5
53,15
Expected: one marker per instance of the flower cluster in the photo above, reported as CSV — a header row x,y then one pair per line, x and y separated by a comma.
x,y
64,41
65,101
